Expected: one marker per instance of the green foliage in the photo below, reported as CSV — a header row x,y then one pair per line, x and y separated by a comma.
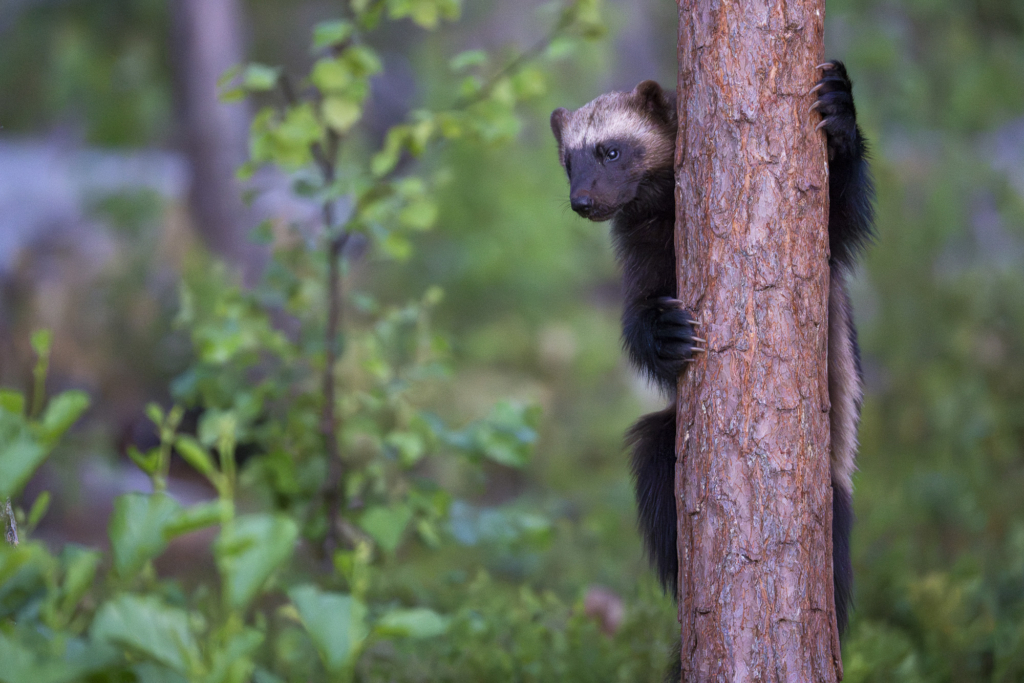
x,y
332,449
937,558
500,634
27,439
249,550
149,629
447,461
138,529
93,63
335,622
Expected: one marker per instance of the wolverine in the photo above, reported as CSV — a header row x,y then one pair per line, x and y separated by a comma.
x,y
618,153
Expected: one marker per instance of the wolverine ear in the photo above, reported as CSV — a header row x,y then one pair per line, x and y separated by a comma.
x,y
652,100
557,122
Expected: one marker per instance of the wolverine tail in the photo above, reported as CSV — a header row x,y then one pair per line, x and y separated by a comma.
x,y
842,565
652,440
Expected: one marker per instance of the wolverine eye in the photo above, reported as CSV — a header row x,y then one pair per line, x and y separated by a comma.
x,y
612,154
568,166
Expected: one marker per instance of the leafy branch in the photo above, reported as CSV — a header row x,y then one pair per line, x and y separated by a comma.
x,y
311,127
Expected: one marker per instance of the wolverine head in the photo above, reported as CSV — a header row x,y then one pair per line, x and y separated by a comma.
x,y
610,146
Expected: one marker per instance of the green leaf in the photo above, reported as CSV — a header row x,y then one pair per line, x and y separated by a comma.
x,y
62,412
397,247
41,342
232,95
39,507
409,445
20,454
27,662
560,48
249,550
385,160
331,75
232,662
328,33
12,401
155,413
413,623
229,75
195,455
285,141
259,77
529,83
80,571
386,525
198,517
148,629
427,531
261,675
419,215
508,434
14,558
147,462
426,13
420,135
466,59
450,124
363,61
335,622
498,447
503,92
217,426
148,672
138,529
341,114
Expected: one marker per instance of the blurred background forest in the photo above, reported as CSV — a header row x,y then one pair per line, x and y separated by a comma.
x,y
117,182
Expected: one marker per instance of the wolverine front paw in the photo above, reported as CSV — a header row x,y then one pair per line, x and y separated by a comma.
x,y
660,336
835,104
675,337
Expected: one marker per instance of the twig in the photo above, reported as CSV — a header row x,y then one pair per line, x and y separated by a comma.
x,y
331,422
11,525
528,55
324,154
323,158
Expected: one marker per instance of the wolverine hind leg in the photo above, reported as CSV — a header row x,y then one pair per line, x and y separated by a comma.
x,y
653,440
845,394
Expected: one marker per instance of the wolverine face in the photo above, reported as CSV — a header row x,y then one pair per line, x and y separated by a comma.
x,y
603,177
610,145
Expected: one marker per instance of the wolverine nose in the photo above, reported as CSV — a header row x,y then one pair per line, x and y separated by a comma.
x,y
582,205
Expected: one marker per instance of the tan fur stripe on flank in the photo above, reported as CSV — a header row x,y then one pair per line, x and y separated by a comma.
x,y
844,387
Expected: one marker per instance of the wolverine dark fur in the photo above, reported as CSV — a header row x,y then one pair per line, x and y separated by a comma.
x,y
618,152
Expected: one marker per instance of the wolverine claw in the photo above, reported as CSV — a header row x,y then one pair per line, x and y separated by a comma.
x,y
673,339
669,302
824,122
826,66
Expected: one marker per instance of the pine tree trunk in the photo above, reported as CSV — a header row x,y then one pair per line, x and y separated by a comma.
x,y
752,475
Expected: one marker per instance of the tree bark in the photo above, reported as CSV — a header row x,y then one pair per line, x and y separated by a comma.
x,y
752,474
206,42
